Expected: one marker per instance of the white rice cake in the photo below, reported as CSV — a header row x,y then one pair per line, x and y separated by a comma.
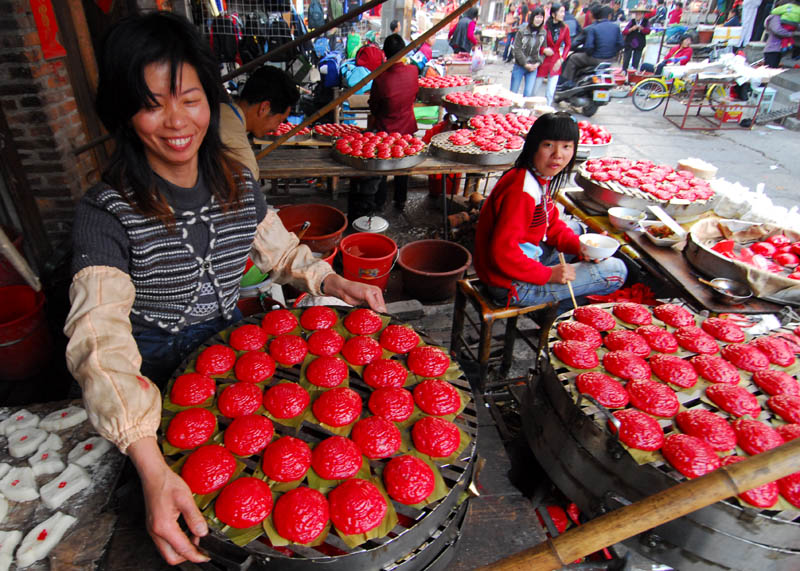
x,y
53,442
63,419
68,483
43,538
8,543
25,441
89,451
19,485
19,420
46,462
4,468
3,507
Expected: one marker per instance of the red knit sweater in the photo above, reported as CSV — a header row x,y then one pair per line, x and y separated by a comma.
x,y
514,214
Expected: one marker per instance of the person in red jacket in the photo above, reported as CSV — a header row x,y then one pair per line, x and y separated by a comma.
x,y
678,55
520,232
391,106
556,49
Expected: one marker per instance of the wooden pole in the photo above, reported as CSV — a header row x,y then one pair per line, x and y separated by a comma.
x,y
657,509
272,54
84,43
386,65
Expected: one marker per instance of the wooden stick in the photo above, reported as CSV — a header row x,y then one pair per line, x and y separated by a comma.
x,y
8,250
656,510
386,65
569,283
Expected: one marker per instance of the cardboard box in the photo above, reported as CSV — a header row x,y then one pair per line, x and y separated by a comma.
x,y
730,36
729,113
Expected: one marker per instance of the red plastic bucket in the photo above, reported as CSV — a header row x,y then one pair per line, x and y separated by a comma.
x,y
25,343
435,183
368,258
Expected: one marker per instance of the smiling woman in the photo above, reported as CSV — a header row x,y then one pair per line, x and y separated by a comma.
x,y
520,233
160,247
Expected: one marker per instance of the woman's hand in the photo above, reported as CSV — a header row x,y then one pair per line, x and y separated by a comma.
x,y
557,65
548,51
167,497
562,273
531,66
354,293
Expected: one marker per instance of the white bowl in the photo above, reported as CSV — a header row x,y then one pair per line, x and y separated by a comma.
x,y
597,246
625,219
666,241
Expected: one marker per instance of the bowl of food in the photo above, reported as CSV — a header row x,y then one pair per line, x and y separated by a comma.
x,y
659,233
597,246
625,219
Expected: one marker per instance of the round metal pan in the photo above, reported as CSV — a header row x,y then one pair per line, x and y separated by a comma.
x,y
379,165
293,139
479,158
326,138
681,210
467,111
435,95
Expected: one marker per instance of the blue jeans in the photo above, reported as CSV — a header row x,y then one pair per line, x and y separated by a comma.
x,y
591,278
162,352
518,73
550,93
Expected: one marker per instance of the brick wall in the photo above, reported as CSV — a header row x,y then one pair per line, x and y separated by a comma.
x,y
39,104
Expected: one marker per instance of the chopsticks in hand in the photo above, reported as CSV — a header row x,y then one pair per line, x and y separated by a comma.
x,y
569,283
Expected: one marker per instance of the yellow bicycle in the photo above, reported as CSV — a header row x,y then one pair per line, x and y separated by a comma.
x,y
649,93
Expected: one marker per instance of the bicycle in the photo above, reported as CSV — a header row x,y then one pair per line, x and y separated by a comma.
x,y
649,93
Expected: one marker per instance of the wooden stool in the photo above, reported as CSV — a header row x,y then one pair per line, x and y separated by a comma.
x,y
473,291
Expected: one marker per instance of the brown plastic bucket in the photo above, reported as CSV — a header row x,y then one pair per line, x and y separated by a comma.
x,y
327,224
25,343
431,268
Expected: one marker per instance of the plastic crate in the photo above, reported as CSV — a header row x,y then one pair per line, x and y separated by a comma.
x,y
766,102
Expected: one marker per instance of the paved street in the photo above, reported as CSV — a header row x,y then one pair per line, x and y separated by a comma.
x,y
763,154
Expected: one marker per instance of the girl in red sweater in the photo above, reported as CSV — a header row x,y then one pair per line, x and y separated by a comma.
x,y
520,232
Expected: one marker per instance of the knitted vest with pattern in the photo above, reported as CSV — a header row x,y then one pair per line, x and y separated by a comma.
x,y
166,269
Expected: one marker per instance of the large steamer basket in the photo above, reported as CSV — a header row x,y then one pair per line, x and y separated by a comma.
x,y
435,95
423,539
571,440
611,193
467,111
379,165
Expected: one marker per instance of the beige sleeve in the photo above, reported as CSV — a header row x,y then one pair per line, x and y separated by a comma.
x,y
103,357
234,136
279,252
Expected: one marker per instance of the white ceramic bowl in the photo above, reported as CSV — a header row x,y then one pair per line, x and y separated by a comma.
x,y
597,246
665,241
625,219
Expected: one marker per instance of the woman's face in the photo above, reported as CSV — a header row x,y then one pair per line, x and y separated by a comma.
x,y
559,16
538,19
686,42
553,156
173,129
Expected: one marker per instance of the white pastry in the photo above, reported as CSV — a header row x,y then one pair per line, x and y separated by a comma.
x,y
88,451
53,442
19,420
63,419
3,507
25,441
19,485
42,538
68,483
8,543
46,462
4,468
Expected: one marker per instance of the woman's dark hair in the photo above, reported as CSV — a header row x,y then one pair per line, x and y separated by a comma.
x,y
538,11
558,126
472,13
553,25
128,48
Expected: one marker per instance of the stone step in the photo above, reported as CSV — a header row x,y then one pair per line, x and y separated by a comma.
x,y
788,80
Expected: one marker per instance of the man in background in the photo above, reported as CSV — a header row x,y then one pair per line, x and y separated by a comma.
x,y
603,43
264,103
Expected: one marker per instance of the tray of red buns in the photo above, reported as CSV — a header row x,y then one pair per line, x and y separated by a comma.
x,y
490,147
331,131
379,151
303,134
465,104
433,89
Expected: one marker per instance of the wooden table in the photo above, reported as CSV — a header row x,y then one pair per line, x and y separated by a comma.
x,y
666,263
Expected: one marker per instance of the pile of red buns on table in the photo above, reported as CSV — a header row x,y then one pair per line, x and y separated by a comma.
x,y
750,396
391,442
380,145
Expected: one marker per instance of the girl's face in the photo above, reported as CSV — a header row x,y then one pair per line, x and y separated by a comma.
x,y
553,156
559,16
686,42
173,129
538,20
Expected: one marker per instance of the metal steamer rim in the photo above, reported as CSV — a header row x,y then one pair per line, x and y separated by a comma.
x,y
689,399
434,525
378,165
443,148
